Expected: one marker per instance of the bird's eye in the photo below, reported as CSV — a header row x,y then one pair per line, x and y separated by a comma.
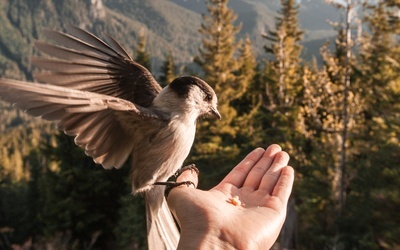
x,y
208,97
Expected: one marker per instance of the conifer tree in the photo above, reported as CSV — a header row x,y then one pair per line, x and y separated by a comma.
x,y
246,69
168,70
364,151
219,63
332,109
248,100
323,117
378,147
283,86
380,56
80,199
282,82
217,59
142,55
216,147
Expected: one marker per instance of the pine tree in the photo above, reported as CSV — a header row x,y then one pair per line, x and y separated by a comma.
x,y
248,101
246,71
323,118
332,111
378,70
168,70
80,199
217,60
283,87
344,222
142,56
380,56
219,63
282,83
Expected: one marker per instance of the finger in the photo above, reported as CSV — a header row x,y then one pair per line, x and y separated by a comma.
x,y
188,175
271,176
256,174
238,174
284,185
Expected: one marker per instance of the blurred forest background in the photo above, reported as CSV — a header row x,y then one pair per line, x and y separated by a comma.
x,y
328,93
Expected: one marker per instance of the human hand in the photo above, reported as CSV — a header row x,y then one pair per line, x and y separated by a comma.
x,y
263,183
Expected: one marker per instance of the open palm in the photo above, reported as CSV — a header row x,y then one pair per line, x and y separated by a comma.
x,y
262,182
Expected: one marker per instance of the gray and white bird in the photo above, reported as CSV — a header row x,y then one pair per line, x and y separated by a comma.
x,y
115,109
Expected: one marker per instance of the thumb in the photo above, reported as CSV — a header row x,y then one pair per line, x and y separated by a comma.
x,y
179,195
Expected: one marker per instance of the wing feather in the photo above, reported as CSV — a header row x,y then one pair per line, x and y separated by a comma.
x,y
85,62
115,45
83,82
96,92
92,118
68,54
92,40
82,45
55,65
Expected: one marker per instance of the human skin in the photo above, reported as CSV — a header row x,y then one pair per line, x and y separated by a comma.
x,y
208,219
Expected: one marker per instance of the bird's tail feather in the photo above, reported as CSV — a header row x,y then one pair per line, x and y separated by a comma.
x,y
162,232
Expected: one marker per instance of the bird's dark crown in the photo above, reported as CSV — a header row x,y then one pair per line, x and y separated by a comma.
x,y
183,84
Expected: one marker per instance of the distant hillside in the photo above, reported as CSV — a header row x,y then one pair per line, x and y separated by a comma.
x,y
169,25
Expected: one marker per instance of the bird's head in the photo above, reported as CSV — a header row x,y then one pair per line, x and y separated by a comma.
x,y
190,95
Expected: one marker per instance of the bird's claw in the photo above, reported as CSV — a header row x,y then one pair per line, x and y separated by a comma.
x,y
191,167
169,185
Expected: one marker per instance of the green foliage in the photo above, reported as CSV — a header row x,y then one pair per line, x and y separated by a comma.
x,y
282,82
378,71
248,101
78,199
168,70
371,141
130,231
218,62
13,213
142,56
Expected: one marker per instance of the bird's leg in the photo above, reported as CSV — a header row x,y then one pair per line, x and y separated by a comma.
x,y
169,185
172,184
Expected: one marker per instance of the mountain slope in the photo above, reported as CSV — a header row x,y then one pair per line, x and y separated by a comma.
x,y
169,25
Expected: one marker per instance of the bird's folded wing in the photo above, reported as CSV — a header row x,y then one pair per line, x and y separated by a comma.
x,y
90,117
83,61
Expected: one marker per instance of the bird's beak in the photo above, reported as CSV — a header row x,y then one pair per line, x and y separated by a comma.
x,y
215,112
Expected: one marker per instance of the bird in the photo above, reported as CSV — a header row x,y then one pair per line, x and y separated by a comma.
x,y
115,109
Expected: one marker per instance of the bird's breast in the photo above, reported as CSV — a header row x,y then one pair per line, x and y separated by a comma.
x,y
177,142
160,152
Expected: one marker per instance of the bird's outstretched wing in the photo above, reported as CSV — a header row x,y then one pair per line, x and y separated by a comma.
x,y
97,80
91,117
83,61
